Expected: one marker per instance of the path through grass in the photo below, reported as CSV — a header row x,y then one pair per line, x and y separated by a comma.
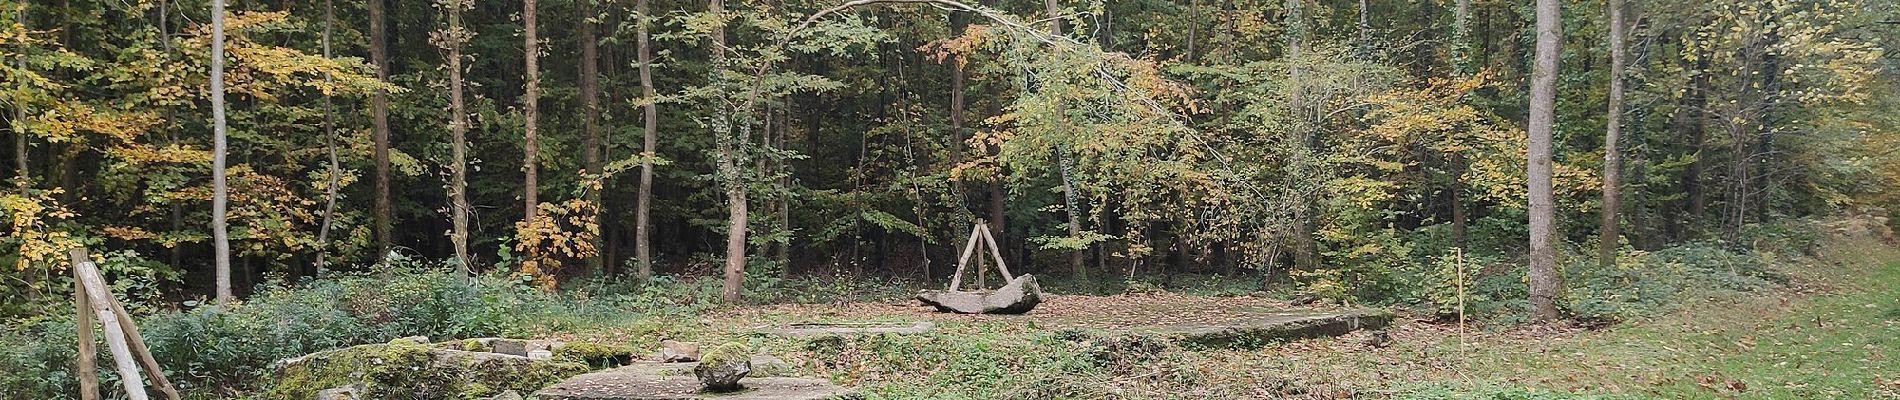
x,y
1835,335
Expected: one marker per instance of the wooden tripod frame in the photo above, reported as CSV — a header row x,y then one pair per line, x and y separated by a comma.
x,y
979,233
92,299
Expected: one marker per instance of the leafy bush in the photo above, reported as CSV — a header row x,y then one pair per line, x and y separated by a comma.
x,y
214,349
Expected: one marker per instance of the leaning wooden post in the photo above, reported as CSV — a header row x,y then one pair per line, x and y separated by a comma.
x,y
137,340
996,253
95,288
969,247
88,368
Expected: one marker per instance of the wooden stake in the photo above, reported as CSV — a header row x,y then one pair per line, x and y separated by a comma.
x,y
979,235
956,281
137,340
995,252
1459,258
95,287
88,367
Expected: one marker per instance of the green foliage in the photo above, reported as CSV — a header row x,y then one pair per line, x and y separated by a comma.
x,y
209,348
1492,392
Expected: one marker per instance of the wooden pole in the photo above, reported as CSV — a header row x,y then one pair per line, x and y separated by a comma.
x,y
137,340
95,287
88,367
956,281
995,252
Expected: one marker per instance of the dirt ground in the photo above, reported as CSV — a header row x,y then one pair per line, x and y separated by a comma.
x,y
1056,310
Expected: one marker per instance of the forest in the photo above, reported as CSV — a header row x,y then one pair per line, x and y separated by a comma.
x,y
1414,199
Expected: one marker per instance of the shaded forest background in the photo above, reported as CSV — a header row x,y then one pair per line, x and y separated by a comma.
x,y
1354,149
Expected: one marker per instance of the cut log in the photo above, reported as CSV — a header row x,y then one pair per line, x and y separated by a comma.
x,y
1019,296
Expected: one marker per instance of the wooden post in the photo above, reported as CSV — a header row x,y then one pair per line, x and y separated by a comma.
x,y
95,288
137,340
996,252
88,368
956,281
979,236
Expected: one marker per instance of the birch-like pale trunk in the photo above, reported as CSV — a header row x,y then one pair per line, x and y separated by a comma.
x,y
1612,138
220,193
1544,278
643,226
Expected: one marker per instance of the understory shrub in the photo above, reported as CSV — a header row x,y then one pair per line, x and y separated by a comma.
x,y
212,349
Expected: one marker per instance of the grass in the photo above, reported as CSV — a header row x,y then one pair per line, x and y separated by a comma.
x,y
1832,332
1829,332
1833,335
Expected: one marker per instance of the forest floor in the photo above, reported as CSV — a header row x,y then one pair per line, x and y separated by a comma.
x,y
1832,332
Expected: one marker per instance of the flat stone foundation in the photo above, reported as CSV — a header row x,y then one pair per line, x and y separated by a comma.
x,y
859,328
674,381
1270,328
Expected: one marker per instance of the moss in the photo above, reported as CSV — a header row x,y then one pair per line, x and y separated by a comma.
x,y
731,352
473,345
594,354
405,369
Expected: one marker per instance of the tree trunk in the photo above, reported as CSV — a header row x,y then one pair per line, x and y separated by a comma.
x,y
1693,116
958,23
1078,260
458,135
220,194
642,225
732,179
590,123
24,179
1461,49
379,121
1305,246
1194,28
1612,138
1544,278
530,108
1364,44
329,146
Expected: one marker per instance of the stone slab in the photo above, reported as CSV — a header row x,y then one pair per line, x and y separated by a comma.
x,y
1274,327
1019,296
674,381
815,329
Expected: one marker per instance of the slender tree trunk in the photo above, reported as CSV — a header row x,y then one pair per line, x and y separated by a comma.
x,y
1612,138
1364,44
784,253
24,179
1544,278
458,136
1305,246
1078,260
649,140
329,146
379,128
1461,37
530,109
221,240
590,122
729,169
959,22
1194,29
1698,142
